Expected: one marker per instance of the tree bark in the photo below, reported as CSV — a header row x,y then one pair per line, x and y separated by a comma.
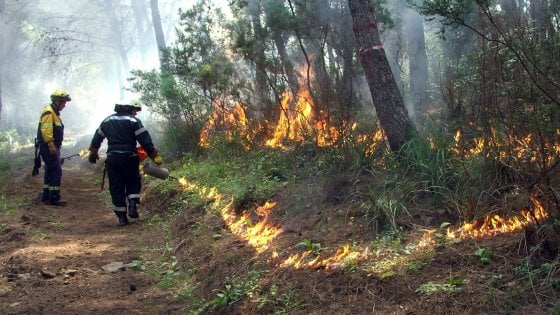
x,y
417,60
387,100
2,50
160,39
262,91
286,63
142,25
1,93
118,43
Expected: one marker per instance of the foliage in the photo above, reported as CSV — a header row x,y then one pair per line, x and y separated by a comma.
x,y
236,289
177,103
10,140
485,255
38,234
544,269
451,286
432,167
5,207
415,265
310,246
282,303
199,77
236,177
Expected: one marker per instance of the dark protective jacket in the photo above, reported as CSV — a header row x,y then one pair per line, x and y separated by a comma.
x,y
51,129
122,131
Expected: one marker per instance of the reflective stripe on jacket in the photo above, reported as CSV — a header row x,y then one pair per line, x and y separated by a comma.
x,y
122,131
51,129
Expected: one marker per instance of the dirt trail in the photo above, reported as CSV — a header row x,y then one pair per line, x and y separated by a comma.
x,y
51,258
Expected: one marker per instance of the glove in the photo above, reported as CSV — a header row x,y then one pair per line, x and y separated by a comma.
x,y
93,156
36,166
52,149
142,155
156,158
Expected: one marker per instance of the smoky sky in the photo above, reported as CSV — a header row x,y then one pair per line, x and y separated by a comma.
x,y
71,45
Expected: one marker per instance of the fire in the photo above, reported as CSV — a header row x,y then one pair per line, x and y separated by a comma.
x,y
342,256
231,121
300,122
372,143
492,225
523,148
426,239
84,152
258,235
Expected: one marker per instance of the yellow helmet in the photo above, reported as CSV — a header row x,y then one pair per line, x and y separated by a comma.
x,y
60,95
136,105
125,106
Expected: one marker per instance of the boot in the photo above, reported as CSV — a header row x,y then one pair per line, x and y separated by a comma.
x,y
133,209
58,203
123,220
45,196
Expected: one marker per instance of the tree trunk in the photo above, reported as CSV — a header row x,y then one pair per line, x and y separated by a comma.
x,y
142,25
286,63
2,50
387,100
160,39
542,18
417,60
262,90
1,102
117,42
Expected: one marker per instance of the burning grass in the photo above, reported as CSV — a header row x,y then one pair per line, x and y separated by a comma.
x,y
260,223
264,231
254,226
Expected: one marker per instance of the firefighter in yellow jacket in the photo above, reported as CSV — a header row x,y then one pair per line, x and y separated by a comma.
x,y
50,134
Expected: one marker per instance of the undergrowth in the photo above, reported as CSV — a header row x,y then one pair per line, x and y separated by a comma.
x,y
390,193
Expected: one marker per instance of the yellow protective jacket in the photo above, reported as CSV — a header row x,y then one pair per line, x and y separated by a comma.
x,y
51,129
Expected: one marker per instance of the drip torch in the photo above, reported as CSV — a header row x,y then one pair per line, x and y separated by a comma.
x,y
156,171
68,158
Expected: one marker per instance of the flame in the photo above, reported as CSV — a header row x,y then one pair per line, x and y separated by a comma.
x,y
258,235
524,148
426,239
457,136
232,121
299,120
492,225
342,255
261,234
84,152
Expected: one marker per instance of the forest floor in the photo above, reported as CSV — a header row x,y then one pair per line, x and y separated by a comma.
x,y
56,260
70,260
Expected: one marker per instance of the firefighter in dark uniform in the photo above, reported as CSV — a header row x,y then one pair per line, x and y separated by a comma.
x,y
50,134
123,130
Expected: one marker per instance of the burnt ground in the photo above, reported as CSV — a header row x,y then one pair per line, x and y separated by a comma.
x,y
52,261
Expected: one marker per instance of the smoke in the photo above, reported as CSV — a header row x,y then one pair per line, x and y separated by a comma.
x,y
74,46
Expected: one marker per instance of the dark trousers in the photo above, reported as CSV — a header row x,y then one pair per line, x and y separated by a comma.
x,y
53,174
124,179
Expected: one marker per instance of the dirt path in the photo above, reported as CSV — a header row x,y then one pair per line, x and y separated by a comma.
x,y
52,258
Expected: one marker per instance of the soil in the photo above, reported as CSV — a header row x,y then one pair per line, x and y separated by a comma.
x,y
52,259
